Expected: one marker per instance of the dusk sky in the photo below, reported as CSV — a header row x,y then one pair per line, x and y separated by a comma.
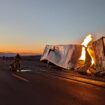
x,y
28,25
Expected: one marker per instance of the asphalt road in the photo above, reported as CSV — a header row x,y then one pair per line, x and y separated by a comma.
x,y
30,88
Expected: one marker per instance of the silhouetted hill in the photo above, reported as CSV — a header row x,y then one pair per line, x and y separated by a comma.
x,y
24,57
7,54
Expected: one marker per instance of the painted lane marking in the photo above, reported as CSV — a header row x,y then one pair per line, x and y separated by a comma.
x,y
19,77
24,70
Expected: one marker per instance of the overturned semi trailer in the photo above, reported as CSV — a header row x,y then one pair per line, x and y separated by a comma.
x,y
65,56
99,49
68,56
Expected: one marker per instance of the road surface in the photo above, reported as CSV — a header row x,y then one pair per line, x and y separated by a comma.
x,y
33,88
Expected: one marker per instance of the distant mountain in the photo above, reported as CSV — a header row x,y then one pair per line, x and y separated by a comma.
x,y
22,55
7,54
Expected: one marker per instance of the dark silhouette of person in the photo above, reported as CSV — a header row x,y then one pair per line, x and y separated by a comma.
x,y
17,61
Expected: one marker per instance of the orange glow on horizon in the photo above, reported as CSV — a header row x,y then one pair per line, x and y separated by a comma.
x,y
24,50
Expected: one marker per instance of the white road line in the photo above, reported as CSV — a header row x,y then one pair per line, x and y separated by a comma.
x,y
24,70
19,77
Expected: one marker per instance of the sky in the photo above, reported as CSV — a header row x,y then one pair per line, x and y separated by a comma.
x,y
26,26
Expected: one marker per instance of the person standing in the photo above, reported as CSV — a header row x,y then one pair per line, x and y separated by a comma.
x,y
17,61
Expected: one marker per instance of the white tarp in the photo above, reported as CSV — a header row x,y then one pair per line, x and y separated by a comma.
x,y
65,56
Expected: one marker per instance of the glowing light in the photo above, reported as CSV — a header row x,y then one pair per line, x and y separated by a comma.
x,y
92,62
87,40
83,54
85,43
92,55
